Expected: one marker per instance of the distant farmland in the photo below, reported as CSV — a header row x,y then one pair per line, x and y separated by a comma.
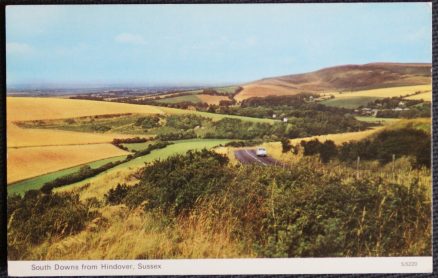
x,y
32,108
354,99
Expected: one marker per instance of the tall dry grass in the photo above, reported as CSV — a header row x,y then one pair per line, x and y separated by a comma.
x,y
121,233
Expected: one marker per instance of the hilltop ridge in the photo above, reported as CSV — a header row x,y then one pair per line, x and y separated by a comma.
x,y
341,78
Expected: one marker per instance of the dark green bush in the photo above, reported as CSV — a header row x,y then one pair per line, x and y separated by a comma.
x,y
177,182
116,195
399,142
37,217
148,122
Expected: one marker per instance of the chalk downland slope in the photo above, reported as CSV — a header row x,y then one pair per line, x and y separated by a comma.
x,y
341,78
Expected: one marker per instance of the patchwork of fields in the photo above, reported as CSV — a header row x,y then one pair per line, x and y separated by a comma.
x,y
355,99
37,155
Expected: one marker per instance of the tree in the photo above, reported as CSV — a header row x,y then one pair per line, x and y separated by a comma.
x,y
285,145
327,151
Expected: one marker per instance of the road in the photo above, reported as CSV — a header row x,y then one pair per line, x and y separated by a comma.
x,y
246,156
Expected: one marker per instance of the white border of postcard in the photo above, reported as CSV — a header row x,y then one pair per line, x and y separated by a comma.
x,y
369,265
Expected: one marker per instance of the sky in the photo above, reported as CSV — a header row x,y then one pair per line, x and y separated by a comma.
x,y
183,45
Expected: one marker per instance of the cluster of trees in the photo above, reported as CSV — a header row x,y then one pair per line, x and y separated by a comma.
x,y
155,146
83,173
237,129
100,128
326,150
177,135
272,101
422,110
393,102
297,212
382,147
398,142
117,141
88,97
186,121
308,117
148,122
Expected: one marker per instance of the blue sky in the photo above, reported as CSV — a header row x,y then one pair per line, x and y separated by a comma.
x,y
152,45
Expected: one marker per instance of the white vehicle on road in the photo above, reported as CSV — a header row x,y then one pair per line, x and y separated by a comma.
x,y
261,152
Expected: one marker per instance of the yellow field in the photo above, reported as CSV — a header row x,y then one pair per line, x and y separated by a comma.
x,y
262,90
385,92
34,108
427,96
25,163
25,137
340,137
258,90
209,99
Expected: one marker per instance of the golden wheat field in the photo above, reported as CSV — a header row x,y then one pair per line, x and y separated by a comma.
x,y
258,90
385,92
29,162
34,108
51,150
209,99
340,138
26,137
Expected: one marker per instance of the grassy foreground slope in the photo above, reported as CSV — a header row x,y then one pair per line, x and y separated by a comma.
x,y
123,173
198,206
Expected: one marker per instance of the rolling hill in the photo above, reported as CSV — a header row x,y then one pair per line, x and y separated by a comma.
x,y
341,78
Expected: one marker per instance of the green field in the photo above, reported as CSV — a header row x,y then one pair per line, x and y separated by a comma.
x,y
349,102
193,92
217,117
193,98
189,98
375,120
35,183
179,147
228,90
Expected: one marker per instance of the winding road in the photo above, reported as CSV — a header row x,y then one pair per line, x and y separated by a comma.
x,y
246,156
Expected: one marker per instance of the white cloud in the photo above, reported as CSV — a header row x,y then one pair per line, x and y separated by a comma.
x,y
18,48
130,39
